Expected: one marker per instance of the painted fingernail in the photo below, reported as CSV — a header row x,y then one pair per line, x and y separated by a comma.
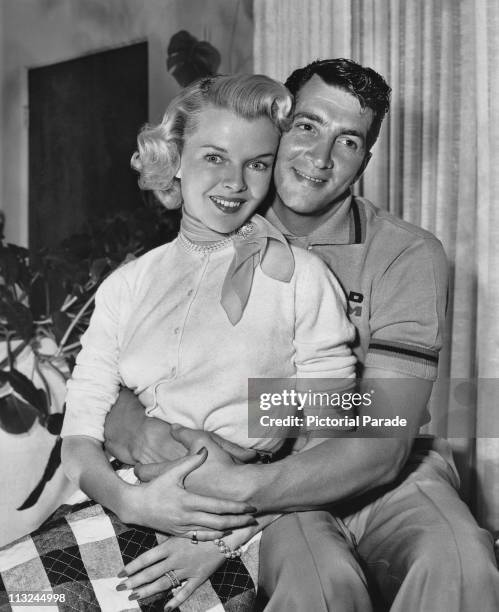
x,y
227,533
133,596
201,450
250,509
167,609
122,574
121,587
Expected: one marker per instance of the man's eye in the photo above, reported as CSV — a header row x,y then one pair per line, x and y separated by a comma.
x,y
213,159
304,127
348,142
258,165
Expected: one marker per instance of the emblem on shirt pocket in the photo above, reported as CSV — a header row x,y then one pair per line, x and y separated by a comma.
x,y
354,301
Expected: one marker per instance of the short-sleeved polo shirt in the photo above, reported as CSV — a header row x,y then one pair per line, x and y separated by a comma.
x,y
394,276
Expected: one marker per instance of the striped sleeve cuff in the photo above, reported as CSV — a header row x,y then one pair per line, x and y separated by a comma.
x,y
404,358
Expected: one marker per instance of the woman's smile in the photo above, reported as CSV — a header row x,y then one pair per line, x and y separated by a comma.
x,y
227,205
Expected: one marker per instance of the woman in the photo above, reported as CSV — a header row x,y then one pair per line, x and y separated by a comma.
x,y
188,323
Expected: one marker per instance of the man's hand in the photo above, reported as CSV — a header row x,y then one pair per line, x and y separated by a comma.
x,y
219,475
165,505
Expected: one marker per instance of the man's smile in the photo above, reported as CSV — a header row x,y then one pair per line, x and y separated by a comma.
x,y
312,179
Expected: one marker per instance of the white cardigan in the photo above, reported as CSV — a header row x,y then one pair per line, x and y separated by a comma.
x,y
158,328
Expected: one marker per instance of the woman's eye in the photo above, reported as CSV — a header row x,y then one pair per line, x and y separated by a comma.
x,y
213,159
258,165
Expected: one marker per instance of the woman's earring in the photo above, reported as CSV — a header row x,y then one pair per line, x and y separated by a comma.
x,y
178,175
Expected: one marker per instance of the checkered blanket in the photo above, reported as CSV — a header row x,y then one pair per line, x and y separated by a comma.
x,y
79,551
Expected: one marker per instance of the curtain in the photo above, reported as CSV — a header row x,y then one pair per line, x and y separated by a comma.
x,y
436,164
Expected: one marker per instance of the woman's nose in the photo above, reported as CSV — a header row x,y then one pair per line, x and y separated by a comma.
x,y
234,180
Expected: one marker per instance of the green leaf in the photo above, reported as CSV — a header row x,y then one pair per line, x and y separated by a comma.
x,y
16,416
24,387
19,317
14,267
10,266
71,361
54,423
52,464
190,59
97,269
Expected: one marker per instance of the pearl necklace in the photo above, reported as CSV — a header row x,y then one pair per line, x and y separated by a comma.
x,y
242,233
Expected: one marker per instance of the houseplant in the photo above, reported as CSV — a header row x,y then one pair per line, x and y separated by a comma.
x,y
46,301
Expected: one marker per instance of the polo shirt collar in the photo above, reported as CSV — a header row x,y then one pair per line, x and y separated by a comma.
x,y
344,226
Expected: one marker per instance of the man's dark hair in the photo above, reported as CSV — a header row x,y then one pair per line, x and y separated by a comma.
x,y
369,87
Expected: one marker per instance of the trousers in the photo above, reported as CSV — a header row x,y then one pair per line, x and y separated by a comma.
x,y
414,547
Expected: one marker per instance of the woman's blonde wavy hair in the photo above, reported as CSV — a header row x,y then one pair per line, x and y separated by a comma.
x,y
159,147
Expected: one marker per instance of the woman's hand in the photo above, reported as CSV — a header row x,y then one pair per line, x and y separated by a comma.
x,y
131,436
191,565
163,504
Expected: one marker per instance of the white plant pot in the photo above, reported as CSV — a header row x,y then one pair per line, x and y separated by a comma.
x,y
23,458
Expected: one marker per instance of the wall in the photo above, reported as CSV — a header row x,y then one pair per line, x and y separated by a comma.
x,y
2,25
40,32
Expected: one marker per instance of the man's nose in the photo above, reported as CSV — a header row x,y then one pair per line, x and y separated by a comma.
x,y
321,155
234,179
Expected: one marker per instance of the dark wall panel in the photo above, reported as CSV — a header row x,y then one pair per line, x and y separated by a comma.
x,y
84,115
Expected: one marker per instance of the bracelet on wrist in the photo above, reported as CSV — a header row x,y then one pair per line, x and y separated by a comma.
x,y
227,551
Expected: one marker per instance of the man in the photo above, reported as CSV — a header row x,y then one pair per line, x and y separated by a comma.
x,y
398,520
